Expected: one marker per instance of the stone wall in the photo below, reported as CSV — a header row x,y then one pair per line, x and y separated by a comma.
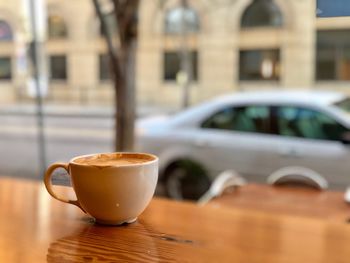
x,y
218,43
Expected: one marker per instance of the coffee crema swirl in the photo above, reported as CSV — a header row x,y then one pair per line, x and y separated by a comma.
x,y
112,159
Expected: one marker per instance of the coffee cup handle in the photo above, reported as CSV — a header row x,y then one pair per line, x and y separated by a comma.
x,y
48,184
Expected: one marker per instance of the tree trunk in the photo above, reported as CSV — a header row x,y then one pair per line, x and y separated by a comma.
x,y
123,69
126,15
125,98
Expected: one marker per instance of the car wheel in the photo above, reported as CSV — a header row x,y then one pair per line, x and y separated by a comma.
x,y
186,180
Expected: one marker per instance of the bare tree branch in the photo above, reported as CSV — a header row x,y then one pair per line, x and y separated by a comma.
x,y
108,37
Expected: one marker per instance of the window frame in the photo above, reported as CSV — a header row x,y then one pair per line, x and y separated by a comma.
x,y
50,35
63,80
326,44
10,78
261,52
194,54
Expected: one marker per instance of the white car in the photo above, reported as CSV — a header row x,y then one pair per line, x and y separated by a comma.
x,y
253,133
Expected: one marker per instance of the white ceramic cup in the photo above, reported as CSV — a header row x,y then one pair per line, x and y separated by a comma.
x,y
112,194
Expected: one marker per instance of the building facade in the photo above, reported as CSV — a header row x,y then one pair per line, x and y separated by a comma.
x,y
228,45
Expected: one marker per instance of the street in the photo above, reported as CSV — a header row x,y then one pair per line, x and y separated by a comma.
x,y
65,137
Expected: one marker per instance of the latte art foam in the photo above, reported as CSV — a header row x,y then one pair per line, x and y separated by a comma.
x,y
113,159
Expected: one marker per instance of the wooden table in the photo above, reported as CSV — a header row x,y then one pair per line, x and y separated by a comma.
x,y
36,228
295,201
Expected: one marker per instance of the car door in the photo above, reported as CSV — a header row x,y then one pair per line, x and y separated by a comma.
x,y
312,139
238,138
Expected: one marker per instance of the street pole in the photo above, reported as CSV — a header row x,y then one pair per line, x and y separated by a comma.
x,y
38,58
185,59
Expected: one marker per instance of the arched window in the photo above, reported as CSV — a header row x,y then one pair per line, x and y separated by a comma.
x,y
181,19
57,27
5,31
261,13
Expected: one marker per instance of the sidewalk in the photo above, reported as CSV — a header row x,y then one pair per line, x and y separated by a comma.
x,y
61,110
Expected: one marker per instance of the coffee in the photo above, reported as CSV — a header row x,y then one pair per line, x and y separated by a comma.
x,y
114,195
113,159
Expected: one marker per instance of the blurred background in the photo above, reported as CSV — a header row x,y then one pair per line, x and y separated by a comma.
x,y
187,53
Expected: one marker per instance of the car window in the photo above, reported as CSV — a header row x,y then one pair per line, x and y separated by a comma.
x,y
246,119
344,105
307,123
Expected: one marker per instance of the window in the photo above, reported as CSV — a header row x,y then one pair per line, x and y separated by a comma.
x,y
57,27
245,119
333,55
5,31
111,23
259,65
307,123
58,67
343,105
172,65
104,69
262,13
180,19
5,68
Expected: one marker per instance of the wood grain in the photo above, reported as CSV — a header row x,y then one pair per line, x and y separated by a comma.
x,y
296,201
36,228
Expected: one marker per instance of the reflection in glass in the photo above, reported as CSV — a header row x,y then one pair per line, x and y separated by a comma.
x,y
177,16
57,27
262,13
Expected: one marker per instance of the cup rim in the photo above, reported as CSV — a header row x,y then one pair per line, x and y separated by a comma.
x,y
154,159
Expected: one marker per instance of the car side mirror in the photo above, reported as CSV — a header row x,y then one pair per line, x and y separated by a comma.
x,y
345,138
